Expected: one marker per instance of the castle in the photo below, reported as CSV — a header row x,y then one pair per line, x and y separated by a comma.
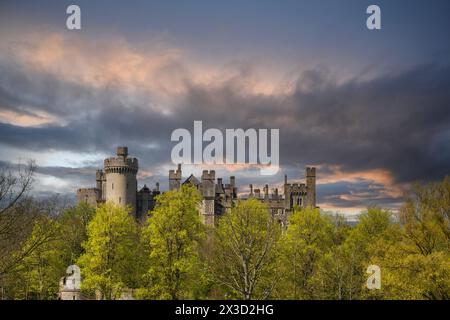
x,y
117,183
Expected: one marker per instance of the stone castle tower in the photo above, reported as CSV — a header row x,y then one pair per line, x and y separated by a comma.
x,y
208,191
121,182
175,178
117,183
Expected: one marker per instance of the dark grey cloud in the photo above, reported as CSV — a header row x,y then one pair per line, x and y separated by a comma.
x,y
398,121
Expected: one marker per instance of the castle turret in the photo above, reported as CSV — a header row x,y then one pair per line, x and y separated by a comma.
x,y
219,187
208,190
233,187
232,181
143,198
175,178
100,178
311,186
121,183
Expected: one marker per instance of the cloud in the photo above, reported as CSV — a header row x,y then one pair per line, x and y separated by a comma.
x,y
369,137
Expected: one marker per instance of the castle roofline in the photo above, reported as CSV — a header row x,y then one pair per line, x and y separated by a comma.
x,y
192,179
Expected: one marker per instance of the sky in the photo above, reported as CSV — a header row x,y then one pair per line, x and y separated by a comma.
x,y
368,108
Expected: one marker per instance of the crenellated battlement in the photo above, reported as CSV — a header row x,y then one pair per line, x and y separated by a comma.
x,y
310,172
175,175
121,165
208,175
89,195
295,188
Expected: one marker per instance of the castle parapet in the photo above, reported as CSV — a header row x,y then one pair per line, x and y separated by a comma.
x,y
89,195
121,165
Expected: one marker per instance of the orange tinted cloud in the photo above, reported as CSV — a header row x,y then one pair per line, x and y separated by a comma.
x,y
154,69
26,120
377,176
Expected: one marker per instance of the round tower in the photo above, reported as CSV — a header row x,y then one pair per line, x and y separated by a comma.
x,y
121,183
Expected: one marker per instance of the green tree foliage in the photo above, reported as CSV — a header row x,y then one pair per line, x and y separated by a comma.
x,y
308,238
357,249
108,264
416,259
16,226
246,256
326,259
17,215
40,271
245,252
73,223
172,240
52,244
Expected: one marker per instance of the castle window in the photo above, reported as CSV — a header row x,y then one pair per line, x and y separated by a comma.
x,y
112,186
120,200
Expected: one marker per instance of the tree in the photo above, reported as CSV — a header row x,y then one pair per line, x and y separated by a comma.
x,y
172,239
73,223
38,274
415,263
14,184
438,201
332,271
341,269
245,251
357,250
308,238
107,266
17,214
